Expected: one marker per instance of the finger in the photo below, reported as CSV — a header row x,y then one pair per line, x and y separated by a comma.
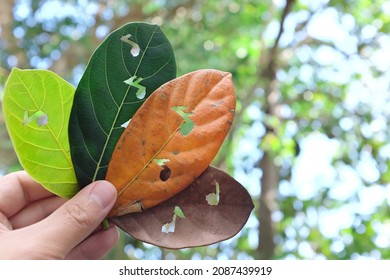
x,y
77,219
5,224
96,246
36,212
17,190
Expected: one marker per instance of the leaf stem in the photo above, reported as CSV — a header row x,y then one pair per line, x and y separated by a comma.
x,y
106,224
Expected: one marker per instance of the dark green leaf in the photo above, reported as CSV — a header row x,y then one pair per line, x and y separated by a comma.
x,y
134,57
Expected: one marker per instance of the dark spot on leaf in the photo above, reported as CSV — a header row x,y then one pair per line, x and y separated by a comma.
x,y
165,174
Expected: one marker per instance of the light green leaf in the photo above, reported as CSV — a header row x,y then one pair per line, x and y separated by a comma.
x,y
37,106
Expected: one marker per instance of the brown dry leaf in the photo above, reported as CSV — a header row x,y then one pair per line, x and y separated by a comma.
x,y
171,139
203,224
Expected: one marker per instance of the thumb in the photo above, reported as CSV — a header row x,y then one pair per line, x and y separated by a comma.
x,y
77,218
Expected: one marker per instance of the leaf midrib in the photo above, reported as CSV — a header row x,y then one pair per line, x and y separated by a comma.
x,y
98,166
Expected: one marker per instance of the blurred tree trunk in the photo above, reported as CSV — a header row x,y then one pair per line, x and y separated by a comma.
x,y
270,172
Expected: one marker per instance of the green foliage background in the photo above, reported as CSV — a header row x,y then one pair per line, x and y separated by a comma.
x,y
307,73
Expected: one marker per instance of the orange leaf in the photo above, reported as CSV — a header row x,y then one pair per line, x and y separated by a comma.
x,y
171,139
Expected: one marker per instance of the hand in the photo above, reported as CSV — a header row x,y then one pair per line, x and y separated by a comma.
x,y
35,224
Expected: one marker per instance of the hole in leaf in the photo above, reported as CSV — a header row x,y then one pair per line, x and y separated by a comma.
x,y
40,117
134,81
126,124
165,174
161,161
135,49
188,125
178,212
170,227
213,198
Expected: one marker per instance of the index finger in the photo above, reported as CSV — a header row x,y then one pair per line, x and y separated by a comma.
x,y
17,190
